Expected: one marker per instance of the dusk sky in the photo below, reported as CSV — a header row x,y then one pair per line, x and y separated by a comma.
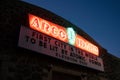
x,y
98,18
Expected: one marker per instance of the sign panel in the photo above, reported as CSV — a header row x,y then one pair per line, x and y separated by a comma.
x,y
66,35
44,44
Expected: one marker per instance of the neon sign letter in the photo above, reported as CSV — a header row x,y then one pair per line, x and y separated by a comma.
x,y
48,28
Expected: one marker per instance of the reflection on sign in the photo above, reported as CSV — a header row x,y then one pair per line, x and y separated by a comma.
x,y
41,43
61,33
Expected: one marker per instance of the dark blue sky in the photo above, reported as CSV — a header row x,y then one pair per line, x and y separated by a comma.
x,y
99,18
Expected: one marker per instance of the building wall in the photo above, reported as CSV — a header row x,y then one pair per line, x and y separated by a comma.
x,y
20,64
111,66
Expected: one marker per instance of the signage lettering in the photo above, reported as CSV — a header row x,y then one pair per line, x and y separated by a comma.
x,y
44,44
66,35
48,28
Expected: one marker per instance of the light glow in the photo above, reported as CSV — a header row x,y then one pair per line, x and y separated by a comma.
x,y
86,45
66,35
48,28
71,35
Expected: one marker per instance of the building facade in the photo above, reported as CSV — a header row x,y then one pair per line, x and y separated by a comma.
x,y
35,46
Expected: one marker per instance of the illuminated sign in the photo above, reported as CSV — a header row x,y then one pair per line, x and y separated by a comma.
x,y
48,28
85,45
71,35
44,44
66,35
